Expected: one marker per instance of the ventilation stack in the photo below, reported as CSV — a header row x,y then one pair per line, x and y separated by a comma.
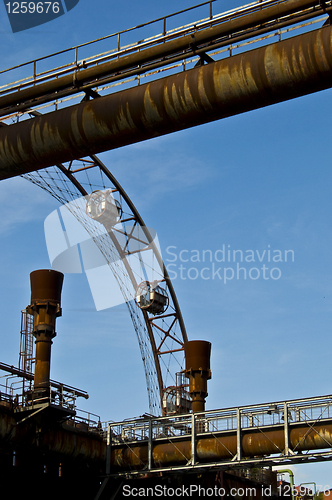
x,y
45,306
197,354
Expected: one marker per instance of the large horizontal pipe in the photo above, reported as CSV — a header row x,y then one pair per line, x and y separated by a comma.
x,y
261,77
64,440
67,441
159,52
223,447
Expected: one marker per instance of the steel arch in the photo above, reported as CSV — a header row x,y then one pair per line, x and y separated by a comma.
x,y
161,335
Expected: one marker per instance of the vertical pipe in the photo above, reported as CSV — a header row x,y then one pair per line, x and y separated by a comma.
x,y
193,440
286,430
291,479
108,449
46,286
238,435
150,446
43,361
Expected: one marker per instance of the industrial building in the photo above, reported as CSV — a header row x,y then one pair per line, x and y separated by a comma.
x,y
178,448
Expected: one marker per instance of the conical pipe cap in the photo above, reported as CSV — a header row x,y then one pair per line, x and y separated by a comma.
x,y
46,286
197,354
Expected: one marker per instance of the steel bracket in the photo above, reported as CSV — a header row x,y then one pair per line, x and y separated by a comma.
x,y
90,93
203,58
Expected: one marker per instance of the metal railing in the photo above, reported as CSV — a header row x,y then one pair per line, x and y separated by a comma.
x,y
228,51
16,387
262,420
80,60
16,392
253,416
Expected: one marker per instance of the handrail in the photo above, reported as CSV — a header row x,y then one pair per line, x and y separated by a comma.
x,y
79,63
116,34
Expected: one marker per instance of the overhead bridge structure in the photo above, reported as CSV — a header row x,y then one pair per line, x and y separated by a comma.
x,y
272,434
211,90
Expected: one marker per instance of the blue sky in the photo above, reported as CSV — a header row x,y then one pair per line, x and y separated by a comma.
x,y
259,181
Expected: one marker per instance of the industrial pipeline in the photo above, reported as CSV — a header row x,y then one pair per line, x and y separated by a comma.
x,y
267,75
215,33
41,423
263,434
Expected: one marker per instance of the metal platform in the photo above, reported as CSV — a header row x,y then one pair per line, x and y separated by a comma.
x,y
274,434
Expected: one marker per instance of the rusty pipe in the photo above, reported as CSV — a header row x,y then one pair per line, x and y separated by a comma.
x,y
197,355
65,440
187,43
45,306
261,77
151,66
223,446
68,441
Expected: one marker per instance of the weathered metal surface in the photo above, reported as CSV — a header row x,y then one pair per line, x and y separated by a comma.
x,y
261,77
75,444
46,286
68,441
197,355
185,45
223,447
65,441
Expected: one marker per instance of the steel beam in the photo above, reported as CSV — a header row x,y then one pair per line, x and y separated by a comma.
x,y
187,44
222,447
261,77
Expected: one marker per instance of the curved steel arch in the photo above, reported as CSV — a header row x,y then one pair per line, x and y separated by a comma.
x,y
160,335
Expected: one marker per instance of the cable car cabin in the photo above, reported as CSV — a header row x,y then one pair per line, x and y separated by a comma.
x,y
102,206
150,298
176,400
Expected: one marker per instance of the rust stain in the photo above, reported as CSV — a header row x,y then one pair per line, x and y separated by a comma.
x,y
247,81
224,446
151,115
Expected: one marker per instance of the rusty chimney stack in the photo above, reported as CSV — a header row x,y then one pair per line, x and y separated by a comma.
x,y
197,354
46,286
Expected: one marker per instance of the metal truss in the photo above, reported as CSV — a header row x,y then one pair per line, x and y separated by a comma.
x,y
131,253
272,434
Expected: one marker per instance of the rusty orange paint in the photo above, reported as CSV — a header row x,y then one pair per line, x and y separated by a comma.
x,y
223,446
